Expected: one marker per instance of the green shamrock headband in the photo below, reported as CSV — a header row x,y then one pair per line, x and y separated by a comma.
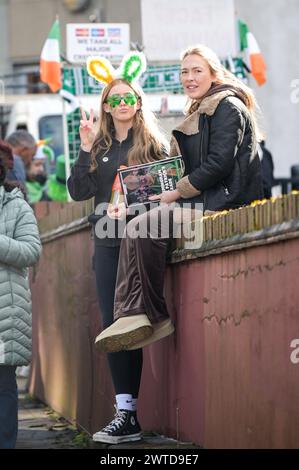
x,y
131,68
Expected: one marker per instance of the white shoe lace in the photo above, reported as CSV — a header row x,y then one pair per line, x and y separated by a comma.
x,y
117,422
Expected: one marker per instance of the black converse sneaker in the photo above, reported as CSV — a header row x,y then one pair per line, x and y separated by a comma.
x,y
123,428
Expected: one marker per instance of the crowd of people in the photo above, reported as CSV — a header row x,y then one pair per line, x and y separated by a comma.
x,y
29,165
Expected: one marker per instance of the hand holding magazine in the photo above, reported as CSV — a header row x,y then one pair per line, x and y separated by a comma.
x,y
139,182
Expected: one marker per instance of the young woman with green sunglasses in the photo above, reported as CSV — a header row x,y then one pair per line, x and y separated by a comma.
x,y
126,133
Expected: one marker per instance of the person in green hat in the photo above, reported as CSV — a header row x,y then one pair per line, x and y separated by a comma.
x,y
36,177
56,187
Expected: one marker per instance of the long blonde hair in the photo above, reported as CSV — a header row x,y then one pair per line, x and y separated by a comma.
x,y
148,141
224,77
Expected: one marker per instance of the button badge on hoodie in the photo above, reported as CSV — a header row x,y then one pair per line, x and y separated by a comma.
x,y
105,159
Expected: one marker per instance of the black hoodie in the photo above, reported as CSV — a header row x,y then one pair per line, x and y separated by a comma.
x,y
83,184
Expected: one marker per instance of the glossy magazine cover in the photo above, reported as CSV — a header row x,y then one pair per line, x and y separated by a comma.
x,y
139,182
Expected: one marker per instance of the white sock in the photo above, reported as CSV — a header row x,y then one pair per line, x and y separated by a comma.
x,y
134,404
124,401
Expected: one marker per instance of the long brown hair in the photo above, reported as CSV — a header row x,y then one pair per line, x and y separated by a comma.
x,y
224,77
148,141
7,186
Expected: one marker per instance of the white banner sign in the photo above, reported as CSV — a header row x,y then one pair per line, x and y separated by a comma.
x,y
111,40
169,27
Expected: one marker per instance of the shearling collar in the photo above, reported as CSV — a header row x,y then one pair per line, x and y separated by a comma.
x,y
208,106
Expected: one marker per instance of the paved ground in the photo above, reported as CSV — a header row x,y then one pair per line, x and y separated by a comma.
x,y
41,428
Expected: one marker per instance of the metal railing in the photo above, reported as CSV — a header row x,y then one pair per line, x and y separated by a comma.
x,y
29,82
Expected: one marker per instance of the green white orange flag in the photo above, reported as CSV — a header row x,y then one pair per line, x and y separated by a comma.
x,y
50,66
255,59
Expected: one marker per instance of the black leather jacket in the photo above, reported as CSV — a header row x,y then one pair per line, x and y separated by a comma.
x,y
220,155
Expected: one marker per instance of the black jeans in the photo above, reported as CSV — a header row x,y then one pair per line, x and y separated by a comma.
x,y
125,366
8,407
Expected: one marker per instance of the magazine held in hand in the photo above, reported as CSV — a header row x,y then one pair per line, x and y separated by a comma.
x,y
139,182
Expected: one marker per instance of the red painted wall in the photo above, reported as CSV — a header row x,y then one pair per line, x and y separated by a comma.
x,y
224,379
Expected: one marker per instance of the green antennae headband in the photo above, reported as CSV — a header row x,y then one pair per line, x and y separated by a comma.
x,y
131,68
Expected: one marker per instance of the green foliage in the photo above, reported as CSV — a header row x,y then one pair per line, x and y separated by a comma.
x,y
81,440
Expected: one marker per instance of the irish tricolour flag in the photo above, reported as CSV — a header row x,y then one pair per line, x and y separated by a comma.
x,y
50,66
255,60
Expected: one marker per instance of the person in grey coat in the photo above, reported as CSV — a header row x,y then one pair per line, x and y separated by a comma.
x,y
20,247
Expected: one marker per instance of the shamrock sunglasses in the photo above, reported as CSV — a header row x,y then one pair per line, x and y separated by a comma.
x,y
115,100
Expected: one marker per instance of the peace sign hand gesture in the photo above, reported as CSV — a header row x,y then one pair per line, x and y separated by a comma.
x,y
86,130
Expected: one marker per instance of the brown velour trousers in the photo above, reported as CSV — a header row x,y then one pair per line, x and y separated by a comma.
x,y
142,261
